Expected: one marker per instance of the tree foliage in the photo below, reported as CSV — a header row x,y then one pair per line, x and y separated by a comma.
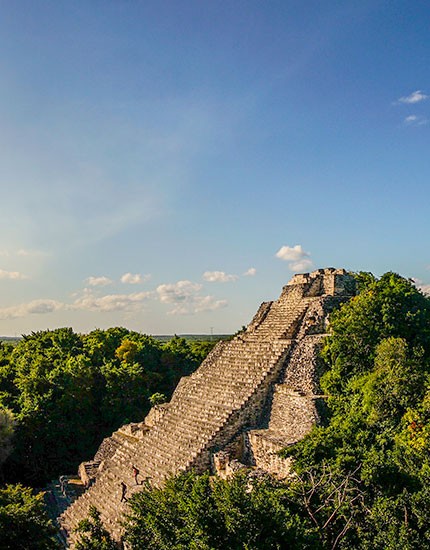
x,y
377,433
24,524
204,513
7,425
92,533
68,391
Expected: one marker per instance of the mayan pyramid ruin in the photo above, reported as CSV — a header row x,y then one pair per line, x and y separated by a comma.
x,y
251,397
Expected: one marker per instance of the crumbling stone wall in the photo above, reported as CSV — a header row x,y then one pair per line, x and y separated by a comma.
x,y
249,398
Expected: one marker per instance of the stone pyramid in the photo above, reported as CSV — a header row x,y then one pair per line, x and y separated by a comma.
x,y
252,396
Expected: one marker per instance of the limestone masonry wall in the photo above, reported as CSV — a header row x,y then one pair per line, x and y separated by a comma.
x,y
251,397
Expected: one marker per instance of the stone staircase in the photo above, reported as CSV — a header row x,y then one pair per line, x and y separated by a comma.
x,y
216,407
230,394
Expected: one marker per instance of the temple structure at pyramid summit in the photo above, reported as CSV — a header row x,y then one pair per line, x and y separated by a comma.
x,y
251,397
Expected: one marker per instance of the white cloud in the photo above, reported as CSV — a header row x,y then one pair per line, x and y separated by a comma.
x,y
414,97
185,297
134,278
218,277
110,302
250,272
291,253
43,306
415,120
14,275
411,118
99,281
302,265
421,285
298,258
33,307
88,301
177,292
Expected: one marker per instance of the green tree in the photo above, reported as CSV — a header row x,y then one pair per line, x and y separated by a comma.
x,y
376,435
200,512
126,393
127,351
389,307
92,534
7,426
201,348
69,391
24,524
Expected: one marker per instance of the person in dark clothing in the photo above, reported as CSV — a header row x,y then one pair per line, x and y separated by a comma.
x,y
123,492
63,485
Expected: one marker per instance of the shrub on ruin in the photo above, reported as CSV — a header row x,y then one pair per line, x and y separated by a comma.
x,y
92,534
157,399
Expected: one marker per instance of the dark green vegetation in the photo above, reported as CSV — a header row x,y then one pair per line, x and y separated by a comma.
x,y
68,391
365,475
210,513
24,524
92,534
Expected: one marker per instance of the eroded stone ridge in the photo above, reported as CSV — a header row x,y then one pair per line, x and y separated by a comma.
x,y
250,397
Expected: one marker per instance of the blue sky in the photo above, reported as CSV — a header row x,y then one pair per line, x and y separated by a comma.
x,y
168,165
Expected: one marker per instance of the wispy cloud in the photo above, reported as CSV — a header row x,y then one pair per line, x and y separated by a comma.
x,y
31,308
416,120
218,277
134,278
110,302
414,97
186,299
86,301
298,259
80,197
12,275
175,293
250,272
99,281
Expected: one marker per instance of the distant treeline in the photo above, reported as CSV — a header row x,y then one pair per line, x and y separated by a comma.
x,y
193,337
159,337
